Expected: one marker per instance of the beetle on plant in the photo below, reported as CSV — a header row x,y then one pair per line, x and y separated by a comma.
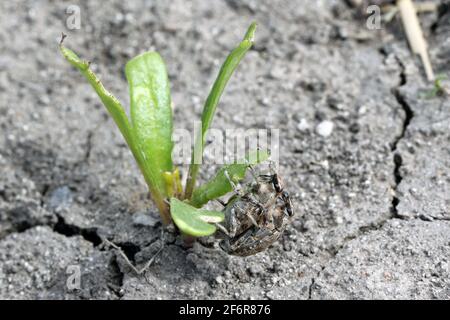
x,y
148,134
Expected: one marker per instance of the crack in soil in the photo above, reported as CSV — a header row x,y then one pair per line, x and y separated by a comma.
x,y
398,161
313,281
91,235
69,230
117,289
361,231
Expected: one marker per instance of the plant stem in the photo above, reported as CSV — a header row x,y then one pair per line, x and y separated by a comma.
x,y
188,240
163,208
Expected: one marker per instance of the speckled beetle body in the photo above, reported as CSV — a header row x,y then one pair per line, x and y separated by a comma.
x,y
257,218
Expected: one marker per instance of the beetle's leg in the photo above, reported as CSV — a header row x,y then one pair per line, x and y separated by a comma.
x,y
253,221
265,177
272,201
268,215
272,167
221,202
253,173
230,222
276,183
236,187
272,178
257,206
222,228
227,175
267,208
287,203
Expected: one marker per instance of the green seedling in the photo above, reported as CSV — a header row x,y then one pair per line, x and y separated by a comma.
x,y
148,134
438,87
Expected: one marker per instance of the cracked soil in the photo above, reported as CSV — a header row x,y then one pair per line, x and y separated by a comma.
x,y
372,199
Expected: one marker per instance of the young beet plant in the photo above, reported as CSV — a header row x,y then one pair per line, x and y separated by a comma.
x,y
149,136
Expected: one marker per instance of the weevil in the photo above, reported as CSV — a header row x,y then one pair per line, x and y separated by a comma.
x,y
256,218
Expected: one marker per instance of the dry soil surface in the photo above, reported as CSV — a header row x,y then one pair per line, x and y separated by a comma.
x,y
372,197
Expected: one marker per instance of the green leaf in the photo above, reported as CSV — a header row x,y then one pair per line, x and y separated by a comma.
x,y
192,221
220,185
227,69
151,113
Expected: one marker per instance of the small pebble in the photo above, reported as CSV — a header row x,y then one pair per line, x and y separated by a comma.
x,y
325,128
44,100
277,72
219,280
144,219
60,197
255,270
303,125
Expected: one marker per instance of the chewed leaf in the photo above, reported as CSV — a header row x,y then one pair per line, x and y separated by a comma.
x,y
220,184
152,175
192,221
113,105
